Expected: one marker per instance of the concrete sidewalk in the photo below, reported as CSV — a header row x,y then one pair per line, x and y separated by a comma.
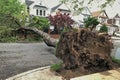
x,y
45,73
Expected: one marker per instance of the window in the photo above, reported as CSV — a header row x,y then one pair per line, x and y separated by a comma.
x,y
37,12
102,20
44,12
40,12
28,9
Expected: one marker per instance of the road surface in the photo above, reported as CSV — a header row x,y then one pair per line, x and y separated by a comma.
x,y
16,58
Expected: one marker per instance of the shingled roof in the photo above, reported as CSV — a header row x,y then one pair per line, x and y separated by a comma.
x,y
28,2
98,13
40,6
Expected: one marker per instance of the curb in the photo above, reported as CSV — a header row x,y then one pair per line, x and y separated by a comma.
x,y
25,73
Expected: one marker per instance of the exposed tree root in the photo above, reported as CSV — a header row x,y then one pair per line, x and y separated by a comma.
x,y
85,49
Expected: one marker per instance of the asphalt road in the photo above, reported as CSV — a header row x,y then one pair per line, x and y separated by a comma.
x,y
16,58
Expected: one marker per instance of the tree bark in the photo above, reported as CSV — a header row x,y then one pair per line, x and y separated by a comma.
x,y
46,37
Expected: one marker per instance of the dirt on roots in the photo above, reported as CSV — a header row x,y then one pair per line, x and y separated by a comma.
x,y
84,52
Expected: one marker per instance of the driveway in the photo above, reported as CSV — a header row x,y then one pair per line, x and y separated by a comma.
x,y
16,58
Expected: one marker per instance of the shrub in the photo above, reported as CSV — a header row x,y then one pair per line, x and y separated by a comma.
x,y
91,22
39,22
116,60
103,29
56,67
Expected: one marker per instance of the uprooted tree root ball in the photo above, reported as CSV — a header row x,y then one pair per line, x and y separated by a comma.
x,y
84,50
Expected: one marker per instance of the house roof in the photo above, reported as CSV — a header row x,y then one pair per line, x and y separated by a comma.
x,y
28,2
55,7
63,6
40,6
64,10
48,3
98,13
117,16
60,7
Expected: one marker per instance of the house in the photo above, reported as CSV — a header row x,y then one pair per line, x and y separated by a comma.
x,y
115,20
115,24
101,16
84,14
43,8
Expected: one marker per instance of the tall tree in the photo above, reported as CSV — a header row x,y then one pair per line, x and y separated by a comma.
x,y
13,14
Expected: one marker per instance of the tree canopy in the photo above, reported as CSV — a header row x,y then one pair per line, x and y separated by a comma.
x,y
91,22
11,10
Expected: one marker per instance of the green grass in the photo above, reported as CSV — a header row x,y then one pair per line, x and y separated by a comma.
x,y
116,60
56,67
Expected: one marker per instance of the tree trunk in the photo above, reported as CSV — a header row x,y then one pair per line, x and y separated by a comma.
x,y
46,37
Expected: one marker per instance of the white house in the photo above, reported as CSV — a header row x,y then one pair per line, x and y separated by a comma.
x,y
43,8
101,16
84,14
117,20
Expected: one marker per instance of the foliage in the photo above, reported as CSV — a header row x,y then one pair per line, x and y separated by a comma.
x,y
6,34
56,67
91,22
39,22
104,28
11,11
60,21
77,5
116,60
9,39
65,30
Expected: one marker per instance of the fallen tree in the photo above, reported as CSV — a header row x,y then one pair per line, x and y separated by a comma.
x,y
86,50
82,52
46,37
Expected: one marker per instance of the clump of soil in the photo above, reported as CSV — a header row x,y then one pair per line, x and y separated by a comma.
x,y
84,52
